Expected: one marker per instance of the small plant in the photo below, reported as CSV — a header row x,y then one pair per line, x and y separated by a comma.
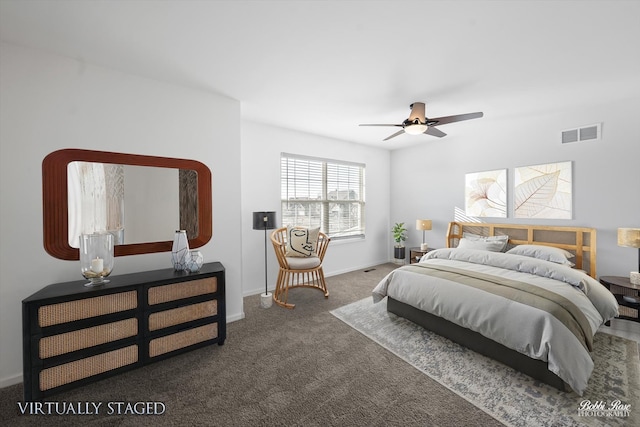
x,y
399,233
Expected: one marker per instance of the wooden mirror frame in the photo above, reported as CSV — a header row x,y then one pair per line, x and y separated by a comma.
x,y
55,200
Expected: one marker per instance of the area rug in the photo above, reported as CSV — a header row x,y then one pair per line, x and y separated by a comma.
x,y
611,399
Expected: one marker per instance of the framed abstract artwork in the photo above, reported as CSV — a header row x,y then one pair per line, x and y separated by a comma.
x,y
543,191
485,194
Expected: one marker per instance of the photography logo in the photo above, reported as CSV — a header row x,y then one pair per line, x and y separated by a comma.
x,y
600,408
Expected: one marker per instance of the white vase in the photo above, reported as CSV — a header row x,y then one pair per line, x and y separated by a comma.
x,y
194,261
180,250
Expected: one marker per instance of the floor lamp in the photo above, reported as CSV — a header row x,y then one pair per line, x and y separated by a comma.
x,y
264,221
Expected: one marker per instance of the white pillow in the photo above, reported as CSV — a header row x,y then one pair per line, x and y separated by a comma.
x,y
547,253
302,241
499,242
484,245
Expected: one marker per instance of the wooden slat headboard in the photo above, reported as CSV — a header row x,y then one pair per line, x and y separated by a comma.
x,y
580,241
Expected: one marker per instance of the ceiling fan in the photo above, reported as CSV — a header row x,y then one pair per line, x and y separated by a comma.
x,y
418,123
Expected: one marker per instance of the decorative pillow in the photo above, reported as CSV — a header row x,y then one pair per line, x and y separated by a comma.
x,y
499,243
547,253
301,241
484,245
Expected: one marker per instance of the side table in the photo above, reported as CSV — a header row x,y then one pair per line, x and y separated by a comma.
x,y
416,253
625,293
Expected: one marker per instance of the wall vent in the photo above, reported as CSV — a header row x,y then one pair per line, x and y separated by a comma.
x,y
584,133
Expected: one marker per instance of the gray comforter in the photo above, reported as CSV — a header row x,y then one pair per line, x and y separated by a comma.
x,y
528,329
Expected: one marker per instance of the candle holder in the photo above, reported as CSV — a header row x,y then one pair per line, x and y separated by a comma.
x,y
96,257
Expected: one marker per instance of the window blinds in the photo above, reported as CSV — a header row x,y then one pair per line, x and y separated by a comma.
x,y
323,193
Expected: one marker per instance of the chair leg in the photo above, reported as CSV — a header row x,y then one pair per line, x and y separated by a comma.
x,y
307,279
282,286
323,285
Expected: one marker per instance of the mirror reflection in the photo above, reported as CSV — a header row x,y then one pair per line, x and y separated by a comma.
x,y
136,204
121,193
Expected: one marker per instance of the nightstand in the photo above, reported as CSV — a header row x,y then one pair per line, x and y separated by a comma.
x,y
621,287
416,253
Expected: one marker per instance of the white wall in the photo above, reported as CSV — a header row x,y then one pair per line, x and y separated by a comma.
x,y
428,178
261,148
49,102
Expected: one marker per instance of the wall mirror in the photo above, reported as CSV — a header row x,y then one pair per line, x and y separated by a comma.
x,y
140,199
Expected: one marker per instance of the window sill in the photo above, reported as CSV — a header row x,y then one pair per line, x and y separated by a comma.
x,y
347,240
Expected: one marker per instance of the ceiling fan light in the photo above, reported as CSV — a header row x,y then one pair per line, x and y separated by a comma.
x,y
416,129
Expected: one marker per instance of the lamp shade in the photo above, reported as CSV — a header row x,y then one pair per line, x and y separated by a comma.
x,y
423,224
629,237
264,220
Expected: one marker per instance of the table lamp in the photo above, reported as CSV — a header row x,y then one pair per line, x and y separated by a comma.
x,y
630,237
423,224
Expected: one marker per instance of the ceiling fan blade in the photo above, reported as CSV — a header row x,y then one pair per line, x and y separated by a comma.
x,y
456,118
434,132
379,125
400,132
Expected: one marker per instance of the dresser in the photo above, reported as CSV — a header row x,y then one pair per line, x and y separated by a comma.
x,y
74,335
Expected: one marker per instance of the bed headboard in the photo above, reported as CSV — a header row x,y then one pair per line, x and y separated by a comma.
x,y
580,241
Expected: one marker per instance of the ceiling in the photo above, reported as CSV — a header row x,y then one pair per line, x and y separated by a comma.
x,y
323,67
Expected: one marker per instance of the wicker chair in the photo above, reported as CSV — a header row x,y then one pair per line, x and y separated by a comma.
x,y
298,272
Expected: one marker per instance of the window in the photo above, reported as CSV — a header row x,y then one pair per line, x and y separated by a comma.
x,y
323,193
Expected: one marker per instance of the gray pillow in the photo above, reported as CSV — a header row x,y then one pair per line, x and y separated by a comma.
x,y
499,242
484,245
547,253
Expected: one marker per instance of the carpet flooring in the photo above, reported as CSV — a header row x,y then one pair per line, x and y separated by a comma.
x,y
278,367
511,397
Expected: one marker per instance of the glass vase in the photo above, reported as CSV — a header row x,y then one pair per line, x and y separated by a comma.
x,y
195,261
180,251
96,257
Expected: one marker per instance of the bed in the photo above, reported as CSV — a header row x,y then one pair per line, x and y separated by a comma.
x,y
524,295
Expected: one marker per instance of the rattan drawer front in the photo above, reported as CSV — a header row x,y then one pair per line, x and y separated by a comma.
x,y
84,368
182,339
67,342
176,316
629,312
64,312
176,291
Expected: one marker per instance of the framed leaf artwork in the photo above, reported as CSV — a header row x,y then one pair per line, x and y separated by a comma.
x,y
486,194
543,191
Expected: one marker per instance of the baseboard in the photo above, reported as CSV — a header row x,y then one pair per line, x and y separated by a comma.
x,y
254,292
356,268
326,274
233,318
6,382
